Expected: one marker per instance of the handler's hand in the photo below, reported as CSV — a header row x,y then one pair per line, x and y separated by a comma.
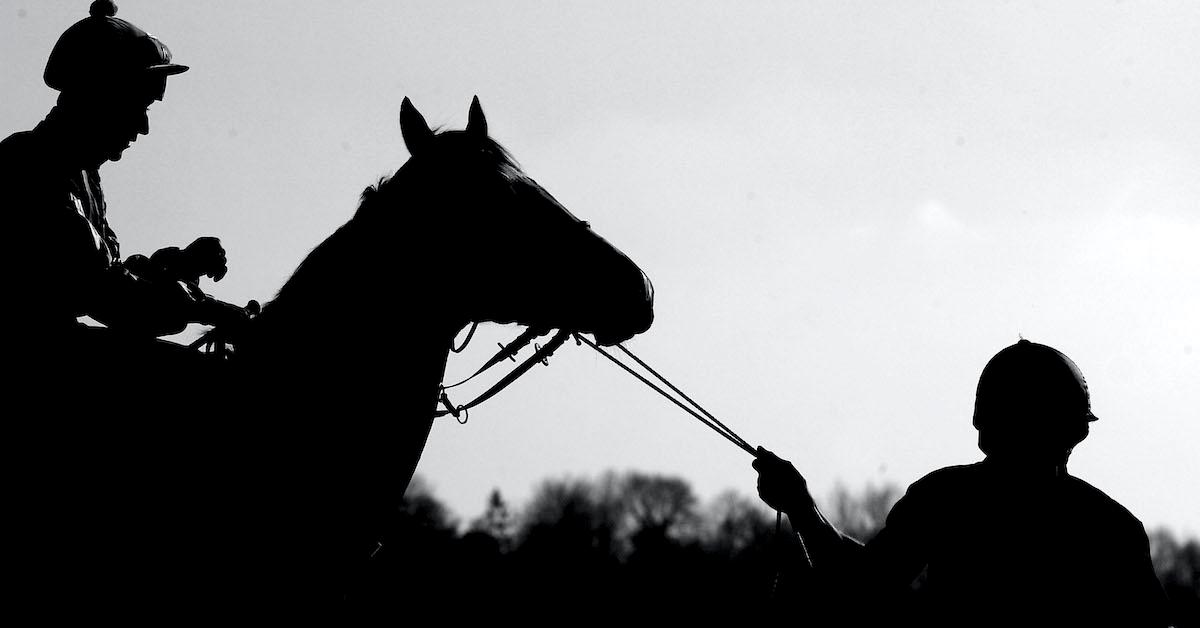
x,y
206,257
780,485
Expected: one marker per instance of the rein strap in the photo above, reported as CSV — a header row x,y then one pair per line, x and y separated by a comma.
x,y
539,357
703,416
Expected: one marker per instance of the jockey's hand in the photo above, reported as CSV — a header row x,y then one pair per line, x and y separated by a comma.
x,y
226,316
780,485
205,257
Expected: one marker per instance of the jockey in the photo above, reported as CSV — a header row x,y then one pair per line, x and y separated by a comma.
x,y
93,412
1011,540
68,261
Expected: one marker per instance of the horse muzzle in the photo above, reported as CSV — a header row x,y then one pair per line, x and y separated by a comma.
x,y
631,314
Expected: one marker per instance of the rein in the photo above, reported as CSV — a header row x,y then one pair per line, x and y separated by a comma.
x,y
703,416
509,351
697,411
708,419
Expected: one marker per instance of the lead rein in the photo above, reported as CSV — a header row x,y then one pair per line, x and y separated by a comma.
x,y
711,421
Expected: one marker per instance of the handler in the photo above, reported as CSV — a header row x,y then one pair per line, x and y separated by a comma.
x,y
1013,540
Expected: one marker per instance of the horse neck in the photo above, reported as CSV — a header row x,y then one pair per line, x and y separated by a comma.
x,y
358,340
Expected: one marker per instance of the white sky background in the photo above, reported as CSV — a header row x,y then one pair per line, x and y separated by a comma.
x,y
846,209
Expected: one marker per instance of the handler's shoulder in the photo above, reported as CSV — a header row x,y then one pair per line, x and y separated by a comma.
x,y
947,485
949,477
1098,505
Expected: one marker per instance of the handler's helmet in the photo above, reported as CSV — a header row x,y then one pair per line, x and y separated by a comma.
x,y
1030,387
101,51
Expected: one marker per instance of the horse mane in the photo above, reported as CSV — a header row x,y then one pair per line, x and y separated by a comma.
x,y
498,158
370,193
380,197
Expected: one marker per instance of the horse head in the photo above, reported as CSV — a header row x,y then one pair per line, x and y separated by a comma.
x,y
458,234
516,254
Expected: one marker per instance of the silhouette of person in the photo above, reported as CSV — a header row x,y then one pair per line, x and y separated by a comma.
x,y
68,261
1012,540
90,517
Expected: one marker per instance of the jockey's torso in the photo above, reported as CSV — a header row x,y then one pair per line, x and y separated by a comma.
x,y
64,259
64,247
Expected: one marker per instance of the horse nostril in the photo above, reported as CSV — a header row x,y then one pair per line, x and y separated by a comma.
x,y
647,287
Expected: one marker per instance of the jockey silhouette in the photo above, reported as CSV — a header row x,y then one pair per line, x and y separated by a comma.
x,y
1013,540
68,261
93,413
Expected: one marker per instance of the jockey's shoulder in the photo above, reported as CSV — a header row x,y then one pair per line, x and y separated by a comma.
x,y
24,154
17,145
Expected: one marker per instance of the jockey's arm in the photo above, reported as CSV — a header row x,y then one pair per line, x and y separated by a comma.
x,y
126,302
157,304
120,295
65,273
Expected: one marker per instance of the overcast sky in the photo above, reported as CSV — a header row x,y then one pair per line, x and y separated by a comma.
x,y
846,209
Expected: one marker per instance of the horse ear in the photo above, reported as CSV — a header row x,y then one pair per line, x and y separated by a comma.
x,y
476,123
413,128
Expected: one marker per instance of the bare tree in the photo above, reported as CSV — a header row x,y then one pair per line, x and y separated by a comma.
x,y
497,521
734,523
1178,567
657,507
862,515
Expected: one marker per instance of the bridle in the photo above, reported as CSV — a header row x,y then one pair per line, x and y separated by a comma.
x,y
508,351
541,355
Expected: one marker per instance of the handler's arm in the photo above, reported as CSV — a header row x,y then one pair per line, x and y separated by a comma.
x,y
889,563
782,487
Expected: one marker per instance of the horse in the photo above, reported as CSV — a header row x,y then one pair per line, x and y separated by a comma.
x,y
270,491
353,348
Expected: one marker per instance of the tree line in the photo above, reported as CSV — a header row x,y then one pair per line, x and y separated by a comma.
x,y
635,540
